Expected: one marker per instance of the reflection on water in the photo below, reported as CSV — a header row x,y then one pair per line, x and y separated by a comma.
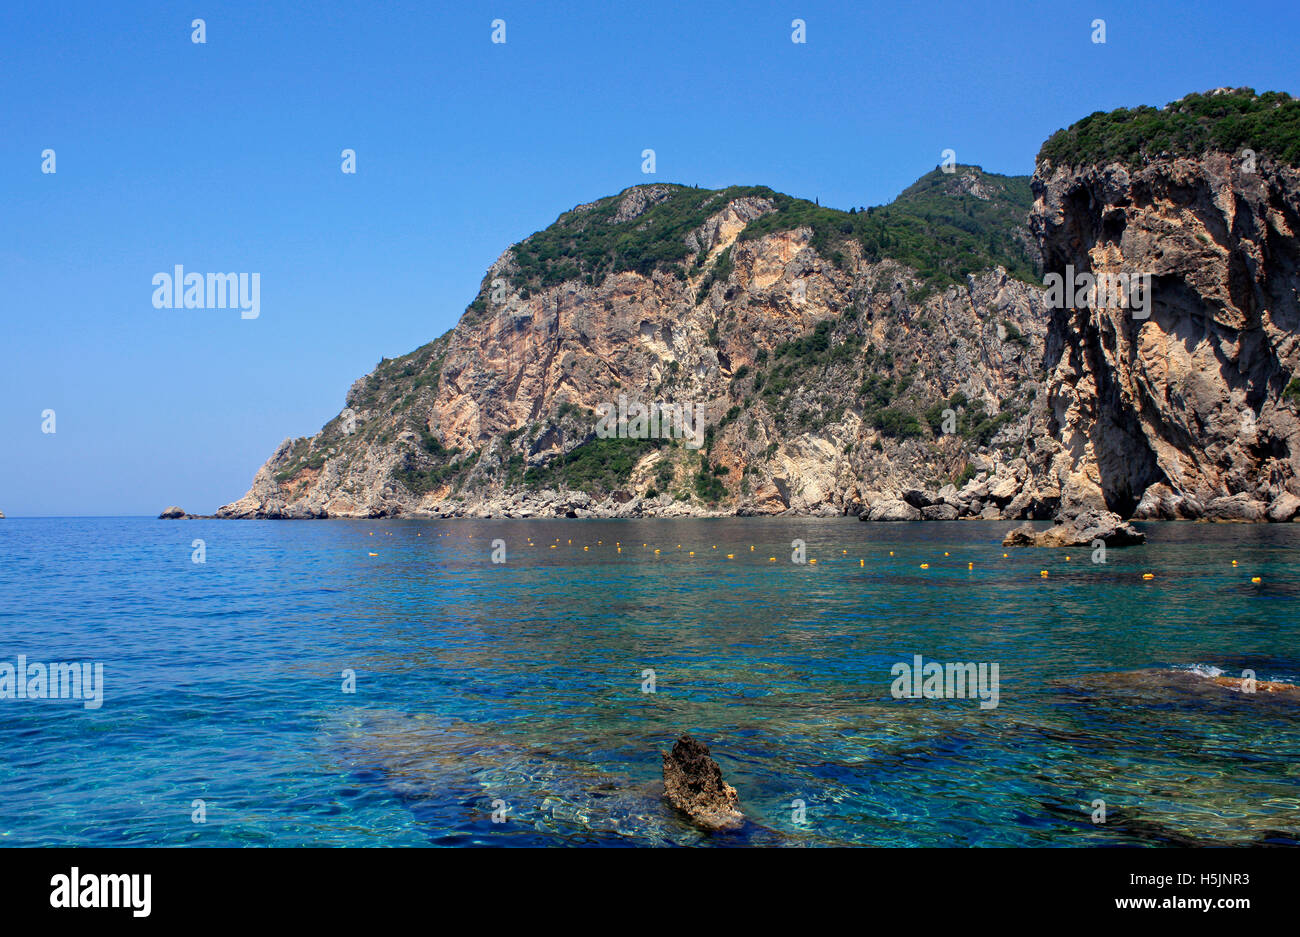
x,y
518,686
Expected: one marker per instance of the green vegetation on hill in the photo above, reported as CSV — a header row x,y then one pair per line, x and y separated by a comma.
x,y
422,478
1229,121
587,244
596,467
937,226
973,422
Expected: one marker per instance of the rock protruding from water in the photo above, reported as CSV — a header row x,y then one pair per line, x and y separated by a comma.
x,y
1081,530
172,513
693,784
894,510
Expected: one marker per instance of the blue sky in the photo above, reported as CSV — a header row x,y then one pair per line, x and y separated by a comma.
x,y
225,157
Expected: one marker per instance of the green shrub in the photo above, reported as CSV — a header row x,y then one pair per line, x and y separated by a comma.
x,y
941,232
596,467
1266,123
898,424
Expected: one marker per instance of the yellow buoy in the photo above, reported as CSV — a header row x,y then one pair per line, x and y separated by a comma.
x,y
891,552
925,565
656,551
1043,573
1234,562
751,549
1148,576
374,554
584,549
945,552
812,562
862,562
771,559
970,565
1255,579
1004,556
692,553
731,556
1067,559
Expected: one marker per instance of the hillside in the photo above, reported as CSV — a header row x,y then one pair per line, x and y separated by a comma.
x,y
820,346
898,362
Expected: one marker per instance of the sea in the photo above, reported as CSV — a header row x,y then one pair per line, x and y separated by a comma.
x,y
504,683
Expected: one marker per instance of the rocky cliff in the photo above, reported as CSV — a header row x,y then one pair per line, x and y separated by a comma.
x,y
1180,409
819,365
901,362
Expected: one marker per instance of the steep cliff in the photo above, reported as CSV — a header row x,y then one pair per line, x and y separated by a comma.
x,y
1183,413
820,349
901,362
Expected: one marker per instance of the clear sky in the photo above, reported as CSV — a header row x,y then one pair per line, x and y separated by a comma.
x,y
225,157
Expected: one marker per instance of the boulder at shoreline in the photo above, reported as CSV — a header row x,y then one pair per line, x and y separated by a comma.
x,y
693,784
1079,531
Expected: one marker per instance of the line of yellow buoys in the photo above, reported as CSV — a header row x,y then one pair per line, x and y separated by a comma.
x,y
618,546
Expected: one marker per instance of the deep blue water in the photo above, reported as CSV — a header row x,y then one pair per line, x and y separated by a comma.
x,y
522,683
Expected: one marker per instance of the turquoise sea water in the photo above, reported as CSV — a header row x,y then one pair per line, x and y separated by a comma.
x,y
519,686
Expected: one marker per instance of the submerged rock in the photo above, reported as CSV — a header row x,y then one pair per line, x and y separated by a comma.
x,y
1157,683
1079,531
693,784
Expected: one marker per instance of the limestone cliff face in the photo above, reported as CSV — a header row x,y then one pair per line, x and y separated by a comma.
x,y
822,381
1182,414
900,363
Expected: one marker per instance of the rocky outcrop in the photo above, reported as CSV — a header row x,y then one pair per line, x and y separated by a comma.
x,y
174,513
1081,530
1183,413
826,376
693,784
810,372
892,511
